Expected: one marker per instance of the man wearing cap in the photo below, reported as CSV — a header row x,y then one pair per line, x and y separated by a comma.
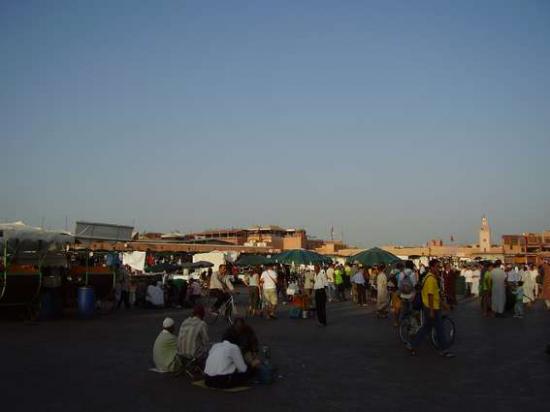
x,y
193,336
165,348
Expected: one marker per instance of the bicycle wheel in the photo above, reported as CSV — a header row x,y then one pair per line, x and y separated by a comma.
x,y
229,313
406,330
449,333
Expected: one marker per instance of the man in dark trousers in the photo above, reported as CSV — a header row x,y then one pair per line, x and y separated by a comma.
x,y
319,286
124,279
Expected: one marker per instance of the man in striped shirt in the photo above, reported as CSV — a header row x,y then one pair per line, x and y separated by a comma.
x,y
193,336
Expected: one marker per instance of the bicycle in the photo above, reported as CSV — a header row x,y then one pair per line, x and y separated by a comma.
x,y
191,367
413,321
227,310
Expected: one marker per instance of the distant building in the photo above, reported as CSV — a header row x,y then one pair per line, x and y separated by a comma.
x,y
270,236
526,247
276,237
234,236
437,248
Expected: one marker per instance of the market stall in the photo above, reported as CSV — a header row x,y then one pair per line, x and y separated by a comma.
x,y
26,253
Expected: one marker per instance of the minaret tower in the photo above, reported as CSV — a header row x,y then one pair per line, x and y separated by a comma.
x,y
484,235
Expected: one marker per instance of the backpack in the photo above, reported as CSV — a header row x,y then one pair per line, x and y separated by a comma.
x,y
417,302
406,285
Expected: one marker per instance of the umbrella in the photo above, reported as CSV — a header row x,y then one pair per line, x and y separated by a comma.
x,y
163,267
301,257
253,260
374,256
202,264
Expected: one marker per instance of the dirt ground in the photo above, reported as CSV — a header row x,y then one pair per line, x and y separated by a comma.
x,y
356,363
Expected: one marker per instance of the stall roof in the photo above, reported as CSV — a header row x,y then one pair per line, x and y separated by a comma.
x,y
103,231
19,236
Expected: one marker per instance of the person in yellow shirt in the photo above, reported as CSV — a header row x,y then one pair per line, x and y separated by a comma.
x,y
431,311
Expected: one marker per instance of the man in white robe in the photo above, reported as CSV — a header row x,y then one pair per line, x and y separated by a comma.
x,y
476,277
382,291
530,285
498,291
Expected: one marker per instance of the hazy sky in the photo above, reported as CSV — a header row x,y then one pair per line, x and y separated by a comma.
x,y
393,121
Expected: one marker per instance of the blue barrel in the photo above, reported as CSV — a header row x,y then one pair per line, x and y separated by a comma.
x,y
265,373
47,309
86,302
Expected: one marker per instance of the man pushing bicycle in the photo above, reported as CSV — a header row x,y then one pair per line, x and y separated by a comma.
x,y
432,306
220,287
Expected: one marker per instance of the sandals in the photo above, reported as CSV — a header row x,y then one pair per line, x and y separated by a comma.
x,y
448,355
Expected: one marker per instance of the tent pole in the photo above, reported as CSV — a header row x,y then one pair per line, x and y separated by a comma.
x,y
86,278
5,271
40,261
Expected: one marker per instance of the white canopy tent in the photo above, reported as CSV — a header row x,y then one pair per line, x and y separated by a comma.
x,y
217,258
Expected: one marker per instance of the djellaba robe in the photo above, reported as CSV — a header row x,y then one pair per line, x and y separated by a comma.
x,y
498,290
382,291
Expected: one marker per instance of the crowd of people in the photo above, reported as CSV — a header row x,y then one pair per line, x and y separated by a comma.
x,y
397,290
392,290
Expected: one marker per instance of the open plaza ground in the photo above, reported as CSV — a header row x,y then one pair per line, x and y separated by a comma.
x,y
356,363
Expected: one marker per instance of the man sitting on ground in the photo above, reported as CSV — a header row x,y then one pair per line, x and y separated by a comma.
x,y
165,349
247,341
225,366
193,336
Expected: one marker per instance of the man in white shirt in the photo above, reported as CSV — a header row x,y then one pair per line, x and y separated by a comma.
x,y
225,366
268,281
309,279
319,285
155,295
468,275
513,276
220,287
358,280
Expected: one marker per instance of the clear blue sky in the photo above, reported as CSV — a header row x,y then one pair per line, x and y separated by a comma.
x,y
394,121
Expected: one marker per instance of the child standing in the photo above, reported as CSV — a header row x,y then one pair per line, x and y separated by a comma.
x,y
518,307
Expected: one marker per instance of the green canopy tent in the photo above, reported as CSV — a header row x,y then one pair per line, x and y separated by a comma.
x,y
374,256
301,257
253,260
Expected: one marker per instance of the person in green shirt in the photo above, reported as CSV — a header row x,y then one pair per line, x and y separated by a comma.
x,y
165,349
339,283
348,274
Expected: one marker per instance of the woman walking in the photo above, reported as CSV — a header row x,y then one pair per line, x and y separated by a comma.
x,y
381,291
252,280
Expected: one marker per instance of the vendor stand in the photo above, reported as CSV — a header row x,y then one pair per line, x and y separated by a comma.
x,y
25,251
